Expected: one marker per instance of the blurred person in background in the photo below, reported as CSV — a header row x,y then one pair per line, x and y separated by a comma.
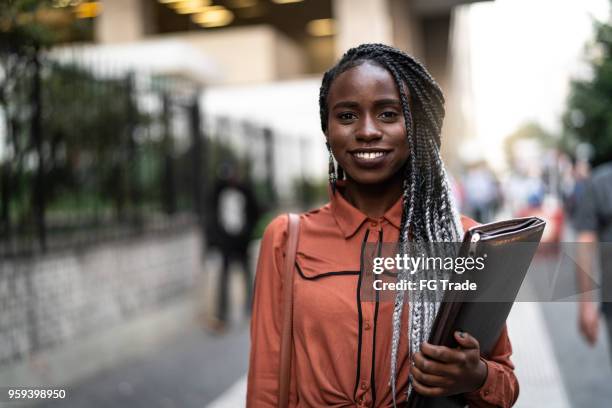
x,y
593,223
381,113
234,215
581,174
482,193
547,207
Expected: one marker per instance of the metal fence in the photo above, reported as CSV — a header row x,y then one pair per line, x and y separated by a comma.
x,y
87,155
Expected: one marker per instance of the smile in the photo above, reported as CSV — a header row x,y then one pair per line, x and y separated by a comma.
x,y
369,155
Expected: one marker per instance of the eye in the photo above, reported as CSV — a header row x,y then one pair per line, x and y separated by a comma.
x,y
347,116
389,115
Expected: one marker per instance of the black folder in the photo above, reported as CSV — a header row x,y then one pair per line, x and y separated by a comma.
x,y
510,246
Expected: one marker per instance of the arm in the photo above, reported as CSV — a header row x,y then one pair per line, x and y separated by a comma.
x,y
586,226
501,388
266,321
442,371
588,310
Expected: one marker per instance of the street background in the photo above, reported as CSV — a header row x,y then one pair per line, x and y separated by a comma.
x,y
121,121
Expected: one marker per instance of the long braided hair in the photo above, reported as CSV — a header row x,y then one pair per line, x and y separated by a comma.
x,y
429,213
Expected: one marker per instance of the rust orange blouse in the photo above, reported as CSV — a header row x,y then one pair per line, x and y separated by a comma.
x,y
342,344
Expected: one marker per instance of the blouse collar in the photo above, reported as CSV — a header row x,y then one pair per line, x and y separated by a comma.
x,y
350,219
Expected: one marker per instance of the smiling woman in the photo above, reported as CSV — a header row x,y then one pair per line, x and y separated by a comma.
x,y
365,106
381,114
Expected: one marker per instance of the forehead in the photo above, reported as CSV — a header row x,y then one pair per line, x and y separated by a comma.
x,y
367,80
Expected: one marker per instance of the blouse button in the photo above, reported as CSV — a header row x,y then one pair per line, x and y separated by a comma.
x,y
373,224
364,385
366,325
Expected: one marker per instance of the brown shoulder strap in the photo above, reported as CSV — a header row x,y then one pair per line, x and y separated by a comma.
x,y
287,328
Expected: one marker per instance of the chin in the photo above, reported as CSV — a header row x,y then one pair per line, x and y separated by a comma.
x,y
370,179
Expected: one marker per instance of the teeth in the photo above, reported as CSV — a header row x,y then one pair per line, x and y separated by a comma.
x,y
369,155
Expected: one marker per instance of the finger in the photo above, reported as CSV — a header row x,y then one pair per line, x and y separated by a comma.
x,y
430,380
443,354
466,340
433,367
427,391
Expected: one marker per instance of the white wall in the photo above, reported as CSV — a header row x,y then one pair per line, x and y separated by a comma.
x,y
247,54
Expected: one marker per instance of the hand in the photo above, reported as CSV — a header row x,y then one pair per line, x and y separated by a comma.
x,y
589,321
439,371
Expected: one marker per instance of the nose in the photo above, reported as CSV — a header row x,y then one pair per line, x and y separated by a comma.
x,y
368,129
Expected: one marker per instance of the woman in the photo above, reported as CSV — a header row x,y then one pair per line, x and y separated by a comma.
x,y
381,113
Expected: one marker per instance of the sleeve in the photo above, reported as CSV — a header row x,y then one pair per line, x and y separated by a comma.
x,y
266,320
586,210
501,388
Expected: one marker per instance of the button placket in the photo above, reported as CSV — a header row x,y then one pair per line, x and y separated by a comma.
x,y
367,346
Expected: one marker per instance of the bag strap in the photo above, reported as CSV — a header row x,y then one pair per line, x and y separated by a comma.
x,y
287,328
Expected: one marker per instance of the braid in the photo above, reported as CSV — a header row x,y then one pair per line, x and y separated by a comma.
x,y
429,213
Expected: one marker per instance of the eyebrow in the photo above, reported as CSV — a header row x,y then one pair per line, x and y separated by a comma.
x,y
388,101
380,102
345,104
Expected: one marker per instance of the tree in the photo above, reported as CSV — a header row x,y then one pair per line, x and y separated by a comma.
x,y
588,117
528,131
58,117
22,35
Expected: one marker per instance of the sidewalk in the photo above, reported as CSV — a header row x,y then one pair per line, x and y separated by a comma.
x,y
538,373
536,368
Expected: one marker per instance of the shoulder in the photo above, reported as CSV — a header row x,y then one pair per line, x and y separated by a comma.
x,y
310,222
279,224
467,222
317,215
276,230
602,173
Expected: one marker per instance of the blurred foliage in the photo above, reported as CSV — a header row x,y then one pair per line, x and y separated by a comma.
x,y
528,131
262,223
24,27
588,116
311,193
86,124
29,25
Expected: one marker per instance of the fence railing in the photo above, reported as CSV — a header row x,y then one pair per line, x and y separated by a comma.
x,y
87,156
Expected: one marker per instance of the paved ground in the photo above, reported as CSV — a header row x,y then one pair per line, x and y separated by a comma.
x,y
189,372
585,371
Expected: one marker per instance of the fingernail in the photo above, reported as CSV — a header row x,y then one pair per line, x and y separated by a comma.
x,y
461,334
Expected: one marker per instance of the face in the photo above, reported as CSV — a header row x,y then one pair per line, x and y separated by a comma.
x,y
366,129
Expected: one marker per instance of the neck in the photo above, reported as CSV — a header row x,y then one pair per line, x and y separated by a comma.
x,y
374,200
